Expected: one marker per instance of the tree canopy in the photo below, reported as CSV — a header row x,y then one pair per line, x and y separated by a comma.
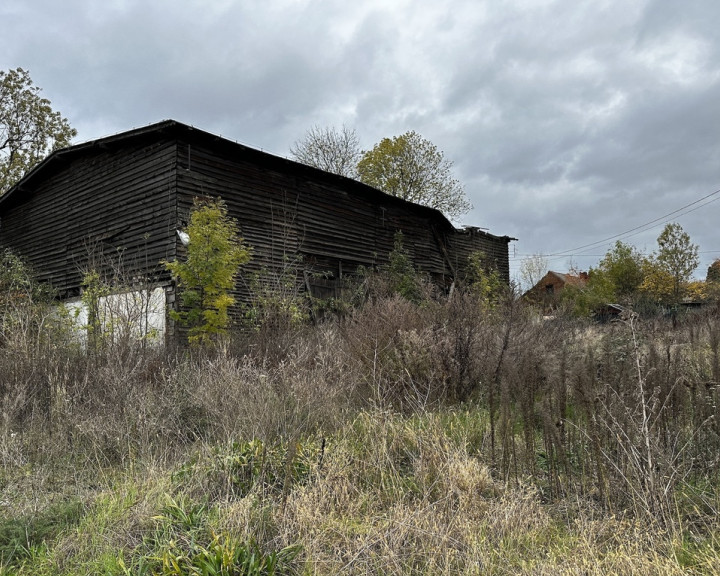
x,y
623,267
332,150
658,283
412,168
29,128
627,277
616,280
677,256
713,272
712,280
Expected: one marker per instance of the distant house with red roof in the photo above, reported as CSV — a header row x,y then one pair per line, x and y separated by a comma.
x,y
548,290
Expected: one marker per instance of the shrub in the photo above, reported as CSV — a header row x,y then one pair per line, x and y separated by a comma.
x,y
24,303
208,275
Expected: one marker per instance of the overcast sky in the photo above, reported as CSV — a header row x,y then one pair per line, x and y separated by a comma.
x,y
571,123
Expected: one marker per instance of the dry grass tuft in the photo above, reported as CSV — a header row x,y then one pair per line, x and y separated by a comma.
x,y
443,438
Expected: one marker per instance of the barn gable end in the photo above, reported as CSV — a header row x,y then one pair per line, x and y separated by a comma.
x,y
94,205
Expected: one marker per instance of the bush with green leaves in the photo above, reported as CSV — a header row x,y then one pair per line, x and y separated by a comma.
x,y
95,288
397,277
483,279
277,300
402,276
208,275
236,469
21,296
184,544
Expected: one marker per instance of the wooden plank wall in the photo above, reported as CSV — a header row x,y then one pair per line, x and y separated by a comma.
x,y
465,242
104,206
334,223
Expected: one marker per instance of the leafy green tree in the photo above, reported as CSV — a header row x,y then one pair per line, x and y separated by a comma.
x,y
617,279
209,274
622,267
677,256
586,299
332,150
658,284
483,279
412,168
29,128
712,281
713,272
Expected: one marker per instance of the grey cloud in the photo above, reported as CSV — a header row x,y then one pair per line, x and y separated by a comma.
x,y
566,121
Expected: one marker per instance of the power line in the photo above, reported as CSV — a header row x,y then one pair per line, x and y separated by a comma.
x,y
643,227
521,256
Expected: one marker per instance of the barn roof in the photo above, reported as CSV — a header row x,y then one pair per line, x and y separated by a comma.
x,y
174,129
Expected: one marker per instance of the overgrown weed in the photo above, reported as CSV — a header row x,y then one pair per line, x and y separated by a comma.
x,y
446,436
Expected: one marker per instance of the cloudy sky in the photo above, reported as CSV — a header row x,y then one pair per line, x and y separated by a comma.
x,y
571,123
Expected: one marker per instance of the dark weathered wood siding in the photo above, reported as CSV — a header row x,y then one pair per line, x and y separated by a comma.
x,y
334,224
122,198
107,206
462,243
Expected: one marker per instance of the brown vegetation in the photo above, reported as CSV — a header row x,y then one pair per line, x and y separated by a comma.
x,y
455,436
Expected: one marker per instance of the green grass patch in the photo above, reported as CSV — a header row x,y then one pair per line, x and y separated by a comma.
x,y
25,537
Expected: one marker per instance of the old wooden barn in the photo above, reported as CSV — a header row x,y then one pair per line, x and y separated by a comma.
x,y
117,203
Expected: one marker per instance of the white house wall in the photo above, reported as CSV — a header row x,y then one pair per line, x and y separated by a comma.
x,y
138,314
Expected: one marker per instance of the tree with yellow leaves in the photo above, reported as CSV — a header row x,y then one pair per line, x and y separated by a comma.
x,y
668,271
412,168
207,277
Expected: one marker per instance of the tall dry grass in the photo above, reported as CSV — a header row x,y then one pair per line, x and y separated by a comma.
x,y
446,437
